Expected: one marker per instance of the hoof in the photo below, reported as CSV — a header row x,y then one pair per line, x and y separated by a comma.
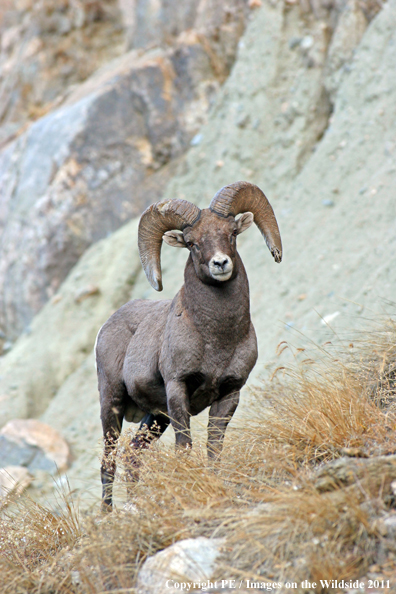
x,y
106,508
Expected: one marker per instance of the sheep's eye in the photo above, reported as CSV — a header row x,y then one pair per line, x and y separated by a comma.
x,y
189,244
234,233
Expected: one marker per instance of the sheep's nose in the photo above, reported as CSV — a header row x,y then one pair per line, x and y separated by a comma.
x,y
220,262
220,266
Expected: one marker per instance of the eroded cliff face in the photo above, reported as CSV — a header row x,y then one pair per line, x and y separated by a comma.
x,y
311,119
47,47
109,145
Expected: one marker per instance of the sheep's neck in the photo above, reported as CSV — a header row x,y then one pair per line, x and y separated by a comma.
x,y
220,310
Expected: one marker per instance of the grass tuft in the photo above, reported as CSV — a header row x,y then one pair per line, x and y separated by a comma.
x,y
296,494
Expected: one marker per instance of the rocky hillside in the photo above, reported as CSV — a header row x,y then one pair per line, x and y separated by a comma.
x,y
110,145
308,113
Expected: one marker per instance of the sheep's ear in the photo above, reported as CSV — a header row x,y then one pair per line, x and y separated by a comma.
x,y
244,222
174,238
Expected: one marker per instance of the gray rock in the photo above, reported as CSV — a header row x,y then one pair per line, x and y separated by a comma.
x,y
80,172
190,560
389,522
33,445
15,454
57,178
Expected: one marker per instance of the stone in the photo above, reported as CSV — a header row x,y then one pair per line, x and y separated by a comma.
x,y
389,522
13,479
34,445
193,560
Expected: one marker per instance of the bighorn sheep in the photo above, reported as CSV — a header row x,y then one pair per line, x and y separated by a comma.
x,y
160,362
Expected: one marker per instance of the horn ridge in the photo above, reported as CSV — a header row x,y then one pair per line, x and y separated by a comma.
x,y
243,196
154,222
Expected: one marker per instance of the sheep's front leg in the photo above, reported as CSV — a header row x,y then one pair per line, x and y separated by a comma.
x,y
220,414
178,410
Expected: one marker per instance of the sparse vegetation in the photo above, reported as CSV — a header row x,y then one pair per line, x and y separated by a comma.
x,y
268,496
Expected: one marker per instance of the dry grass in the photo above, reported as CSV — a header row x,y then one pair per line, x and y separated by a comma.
x,y
31,536
261,497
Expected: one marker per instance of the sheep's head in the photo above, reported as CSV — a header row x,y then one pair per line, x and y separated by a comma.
x,y
212,244
210,234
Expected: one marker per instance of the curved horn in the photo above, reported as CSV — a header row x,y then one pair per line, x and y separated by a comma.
x,y
158,218
243,196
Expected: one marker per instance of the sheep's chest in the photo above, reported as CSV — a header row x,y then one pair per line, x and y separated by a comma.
x,y
204,390
222,371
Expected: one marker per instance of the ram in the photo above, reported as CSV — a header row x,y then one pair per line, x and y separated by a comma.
x,y
160,362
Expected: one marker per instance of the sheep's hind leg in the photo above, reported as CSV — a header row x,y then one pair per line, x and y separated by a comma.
x,y
112,417
220,414
151,428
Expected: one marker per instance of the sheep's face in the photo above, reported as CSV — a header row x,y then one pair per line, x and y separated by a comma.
x,y
212,244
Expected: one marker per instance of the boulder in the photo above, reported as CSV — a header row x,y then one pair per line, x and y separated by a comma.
x,y
33,445
192,560
114,138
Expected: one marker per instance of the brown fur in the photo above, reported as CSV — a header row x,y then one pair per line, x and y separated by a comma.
x,y
172,359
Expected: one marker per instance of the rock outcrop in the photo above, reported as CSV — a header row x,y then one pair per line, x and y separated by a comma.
x,y
153,22
46,48
78,173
